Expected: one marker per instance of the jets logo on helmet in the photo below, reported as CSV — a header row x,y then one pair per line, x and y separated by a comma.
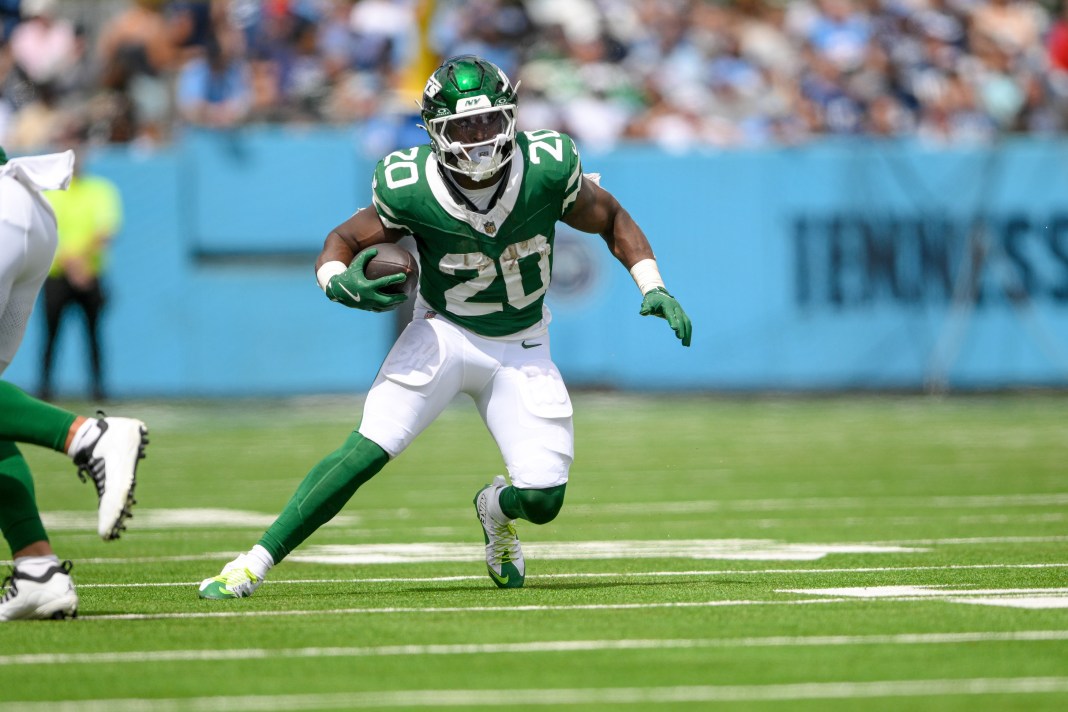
x,y
432,87
469,110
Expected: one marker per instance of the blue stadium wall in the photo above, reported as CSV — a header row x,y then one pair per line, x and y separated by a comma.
x,y
841,265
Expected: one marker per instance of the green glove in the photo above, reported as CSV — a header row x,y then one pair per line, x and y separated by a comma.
x,y
353,289
659,303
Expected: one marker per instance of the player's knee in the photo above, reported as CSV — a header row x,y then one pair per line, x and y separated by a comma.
x,y
541,506
359,455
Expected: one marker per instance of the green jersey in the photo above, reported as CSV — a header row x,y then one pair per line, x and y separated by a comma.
x,y
487,270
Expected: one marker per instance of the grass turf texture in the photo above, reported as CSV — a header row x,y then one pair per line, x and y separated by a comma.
x,y
971,492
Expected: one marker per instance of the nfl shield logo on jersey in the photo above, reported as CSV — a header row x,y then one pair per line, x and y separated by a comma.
x,y
491,227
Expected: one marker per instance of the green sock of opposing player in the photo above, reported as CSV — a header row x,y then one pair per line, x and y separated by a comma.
x,y
24,419
322,494
19,519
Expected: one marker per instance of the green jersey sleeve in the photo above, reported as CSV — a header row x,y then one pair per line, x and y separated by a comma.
x,y
554,163
574,175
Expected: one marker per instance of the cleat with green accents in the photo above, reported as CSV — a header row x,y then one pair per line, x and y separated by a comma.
x,y
504,555
235,581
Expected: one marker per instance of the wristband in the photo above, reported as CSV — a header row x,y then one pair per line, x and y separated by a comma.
x,y
327,271
646,275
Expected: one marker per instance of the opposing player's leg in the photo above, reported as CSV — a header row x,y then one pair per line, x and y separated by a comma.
x,y
40,586
413,386
105,450
528,411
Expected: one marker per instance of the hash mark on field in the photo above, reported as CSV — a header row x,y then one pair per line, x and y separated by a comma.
x,y
548,646
574,696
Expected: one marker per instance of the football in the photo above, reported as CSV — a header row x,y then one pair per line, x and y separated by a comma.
x,y
393,259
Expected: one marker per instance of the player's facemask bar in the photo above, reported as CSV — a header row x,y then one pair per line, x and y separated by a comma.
x,y
476,143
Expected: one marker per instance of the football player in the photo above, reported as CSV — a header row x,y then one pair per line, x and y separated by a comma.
x,y
481,202
106,450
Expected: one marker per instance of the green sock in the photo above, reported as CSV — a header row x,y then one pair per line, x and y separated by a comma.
x,y
19,519
539,506
24,419
322,494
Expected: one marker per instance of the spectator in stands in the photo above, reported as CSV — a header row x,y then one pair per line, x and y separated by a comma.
x,y
840,33
10,16
213,89
138,52
1057,43
43,44
742,72
385,30
1016,25
39,120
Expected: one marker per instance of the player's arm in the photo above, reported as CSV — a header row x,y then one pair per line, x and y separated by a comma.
x,y
343,279
597,211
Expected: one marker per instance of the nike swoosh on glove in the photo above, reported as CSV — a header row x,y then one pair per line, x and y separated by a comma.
x,y
353,289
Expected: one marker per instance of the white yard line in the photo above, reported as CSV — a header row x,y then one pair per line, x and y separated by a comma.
x,y
1033,598
736,549
1055,499
511,610
1027,596
610,574
575,696
219,518
551,646
967,541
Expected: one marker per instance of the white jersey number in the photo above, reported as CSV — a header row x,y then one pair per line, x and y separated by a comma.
x,y
511,267
539,141
407,168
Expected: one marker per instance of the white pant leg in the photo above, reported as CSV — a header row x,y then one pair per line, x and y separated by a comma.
x,y
423,372
25,257
528,411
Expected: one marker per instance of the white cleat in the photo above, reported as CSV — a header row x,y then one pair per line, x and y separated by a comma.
x,y
235,581
504,555
50,596
111,462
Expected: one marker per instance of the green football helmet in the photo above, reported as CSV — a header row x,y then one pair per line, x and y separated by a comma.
x,y
469,110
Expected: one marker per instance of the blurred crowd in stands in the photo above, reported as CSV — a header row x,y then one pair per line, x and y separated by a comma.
x,y
678,73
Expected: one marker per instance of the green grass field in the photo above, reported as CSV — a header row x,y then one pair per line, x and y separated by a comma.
x,y
809,554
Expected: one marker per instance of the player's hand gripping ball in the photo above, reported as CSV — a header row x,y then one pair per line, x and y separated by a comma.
x,y
378,279
390,259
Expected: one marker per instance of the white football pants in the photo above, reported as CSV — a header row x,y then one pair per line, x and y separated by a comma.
x,y
27,245
517,389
